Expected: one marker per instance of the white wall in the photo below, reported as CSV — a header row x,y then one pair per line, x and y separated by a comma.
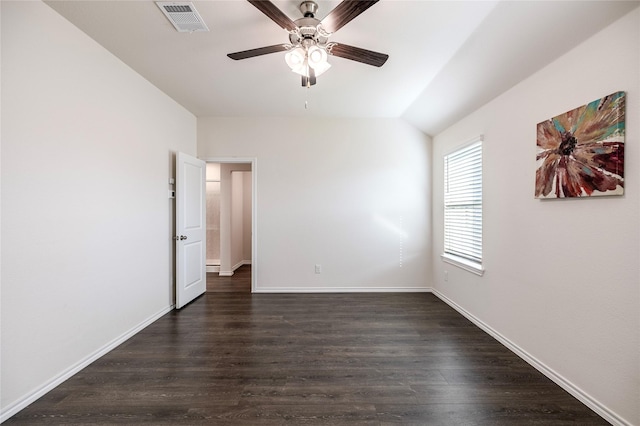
x,y
240,218
231,216
246,216
213,214
350,195
87,150
237,218
562,281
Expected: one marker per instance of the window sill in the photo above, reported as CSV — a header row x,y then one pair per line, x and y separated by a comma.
x,y
467,265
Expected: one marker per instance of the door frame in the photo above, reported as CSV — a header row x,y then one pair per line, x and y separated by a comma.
x,y
254,208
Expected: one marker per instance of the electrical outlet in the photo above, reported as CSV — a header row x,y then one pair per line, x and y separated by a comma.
x,y
318,268
446,275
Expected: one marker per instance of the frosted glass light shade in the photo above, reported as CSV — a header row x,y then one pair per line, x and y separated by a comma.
x,y
317,58
299,60
295,58
321,68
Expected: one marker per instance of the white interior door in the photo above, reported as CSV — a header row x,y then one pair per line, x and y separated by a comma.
x,y
191,277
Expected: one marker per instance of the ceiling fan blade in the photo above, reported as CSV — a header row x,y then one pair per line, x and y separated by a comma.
x,y
345,12
257,52
357,54
275,14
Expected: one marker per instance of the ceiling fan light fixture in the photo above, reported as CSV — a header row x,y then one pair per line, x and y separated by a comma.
x,y
320,68
301,59
309,45
317,56
295,58
302,69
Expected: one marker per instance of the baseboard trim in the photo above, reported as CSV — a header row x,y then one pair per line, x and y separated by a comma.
x,y
213,268
241,263
558,379
344,290
22,403
233,269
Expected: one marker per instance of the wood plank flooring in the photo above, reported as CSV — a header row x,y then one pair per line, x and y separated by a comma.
x,y
240,281
233,358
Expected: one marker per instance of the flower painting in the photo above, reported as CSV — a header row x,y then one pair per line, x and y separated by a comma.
x,y
581,152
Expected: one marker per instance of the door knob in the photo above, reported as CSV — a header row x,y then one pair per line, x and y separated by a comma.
x,y
180,237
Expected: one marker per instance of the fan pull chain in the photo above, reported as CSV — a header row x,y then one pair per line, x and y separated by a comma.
x,y
306,100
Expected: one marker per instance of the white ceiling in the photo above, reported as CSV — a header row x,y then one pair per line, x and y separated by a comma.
x,y
446,58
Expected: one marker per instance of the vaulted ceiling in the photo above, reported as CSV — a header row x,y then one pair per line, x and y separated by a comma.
x,y
446,58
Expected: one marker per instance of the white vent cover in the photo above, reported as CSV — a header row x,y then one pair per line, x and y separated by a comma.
x,y
183,16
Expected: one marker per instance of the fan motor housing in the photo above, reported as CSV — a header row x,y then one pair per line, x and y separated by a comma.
x,y
307,29
308,8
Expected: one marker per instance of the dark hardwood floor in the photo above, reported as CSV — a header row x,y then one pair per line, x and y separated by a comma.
x,y
233,358
240,281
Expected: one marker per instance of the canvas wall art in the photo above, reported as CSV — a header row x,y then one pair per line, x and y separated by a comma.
x,y
581,152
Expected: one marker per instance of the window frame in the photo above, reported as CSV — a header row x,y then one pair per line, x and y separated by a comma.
x,y
467,263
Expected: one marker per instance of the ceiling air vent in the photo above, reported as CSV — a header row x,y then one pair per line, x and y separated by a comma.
x,y
183,16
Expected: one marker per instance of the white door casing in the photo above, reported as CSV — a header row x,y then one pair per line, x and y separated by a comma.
x,y
190,237
253,161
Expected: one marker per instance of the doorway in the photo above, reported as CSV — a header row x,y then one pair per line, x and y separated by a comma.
x,y
230,198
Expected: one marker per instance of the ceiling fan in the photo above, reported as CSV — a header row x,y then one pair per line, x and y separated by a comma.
x,y
309,43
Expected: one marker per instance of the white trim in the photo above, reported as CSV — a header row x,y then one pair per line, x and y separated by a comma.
x,y
213,265
461,262
254,208
345,290
230,273
557,378
237,265
479,138
77,367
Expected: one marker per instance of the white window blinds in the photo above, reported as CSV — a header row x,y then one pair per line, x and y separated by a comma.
x,y
463,202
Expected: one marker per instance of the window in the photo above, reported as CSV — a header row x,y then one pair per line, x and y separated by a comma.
x,y
463,207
